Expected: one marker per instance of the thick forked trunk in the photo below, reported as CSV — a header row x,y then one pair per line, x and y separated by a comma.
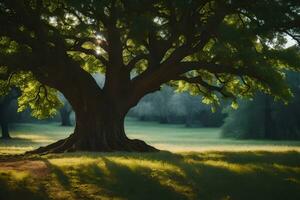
x,y
99,114
98,128
103,130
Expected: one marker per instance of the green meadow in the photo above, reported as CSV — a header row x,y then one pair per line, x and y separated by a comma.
x,y
174,138
195,163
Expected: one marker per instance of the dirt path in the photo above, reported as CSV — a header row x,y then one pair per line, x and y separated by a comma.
x,y
35,167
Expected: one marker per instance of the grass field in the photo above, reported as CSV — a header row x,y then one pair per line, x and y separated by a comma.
x,y
175,138
198,165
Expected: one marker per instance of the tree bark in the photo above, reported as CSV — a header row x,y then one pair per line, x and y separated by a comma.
x,y
105,132
100,112
270,132
5,130
99,127
4,113
97,130
65,117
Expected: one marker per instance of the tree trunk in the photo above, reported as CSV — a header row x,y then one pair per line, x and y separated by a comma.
x,y
100,112
269,130
5,130
98,128
65,117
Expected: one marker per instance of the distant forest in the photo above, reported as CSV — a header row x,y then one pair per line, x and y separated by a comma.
x,y
260,118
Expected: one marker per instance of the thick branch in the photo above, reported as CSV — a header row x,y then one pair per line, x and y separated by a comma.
x,y
135,60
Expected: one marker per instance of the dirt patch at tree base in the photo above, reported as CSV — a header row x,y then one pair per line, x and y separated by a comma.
x,y
36,168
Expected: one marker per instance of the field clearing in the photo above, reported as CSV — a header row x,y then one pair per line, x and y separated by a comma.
x,y
162,176
198,165
174,138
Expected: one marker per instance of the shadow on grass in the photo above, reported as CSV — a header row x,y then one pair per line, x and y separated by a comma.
x,y
210,175
11,189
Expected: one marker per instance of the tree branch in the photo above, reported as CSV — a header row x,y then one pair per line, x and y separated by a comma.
x,y
135,60
199,80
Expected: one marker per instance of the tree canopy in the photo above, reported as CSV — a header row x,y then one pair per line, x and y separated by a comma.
x,y
229,47
213,48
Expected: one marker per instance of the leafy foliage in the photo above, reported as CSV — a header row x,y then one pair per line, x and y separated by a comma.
x,y
229,49
265,118
41,99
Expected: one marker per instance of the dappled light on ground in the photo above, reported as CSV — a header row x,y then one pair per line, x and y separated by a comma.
x,y
231,167
234,170
206,175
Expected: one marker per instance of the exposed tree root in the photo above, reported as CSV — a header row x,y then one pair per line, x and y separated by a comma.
x,y
70,145
140,146
63,145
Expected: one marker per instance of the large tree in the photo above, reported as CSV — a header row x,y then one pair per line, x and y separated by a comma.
x,y
208,47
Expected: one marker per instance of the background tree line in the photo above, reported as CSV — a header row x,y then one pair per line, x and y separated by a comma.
x,y
264,118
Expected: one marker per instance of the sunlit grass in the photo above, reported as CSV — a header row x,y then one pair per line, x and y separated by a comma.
x,y
286,169
237,168
8,150
216,169
205,175
162,172
36,138
154,165
72,162
14,174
